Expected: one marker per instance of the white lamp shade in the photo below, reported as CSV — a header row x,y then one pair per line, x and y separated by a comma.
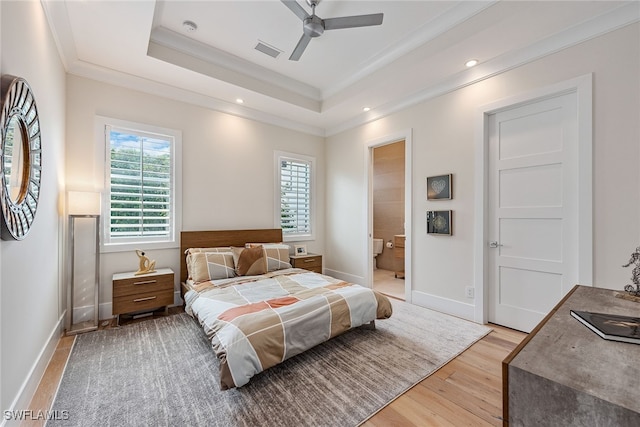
x,y
83,203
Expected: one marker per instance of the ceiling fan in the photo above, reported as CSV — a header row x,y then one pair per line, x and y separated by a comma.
x,y
314,26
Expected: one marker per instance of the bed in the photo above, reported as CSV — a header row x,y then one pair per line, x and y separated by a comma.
x,y
257,310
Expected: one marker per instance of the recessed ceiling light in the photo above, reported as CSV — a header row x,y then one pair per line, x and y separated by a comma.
x,y
189,26
365,109
471,63
240,100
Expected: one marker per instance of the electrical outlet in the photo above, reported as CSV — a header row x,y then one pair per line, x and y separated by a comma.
x,y
468,291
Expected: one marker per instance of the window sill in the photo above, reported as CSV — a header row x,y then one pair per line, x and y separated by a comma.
x,y
132,246
298,238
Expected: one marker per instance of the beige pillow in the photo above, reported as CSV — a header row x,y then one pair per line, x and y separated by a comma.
x,y
249,261
277,255
191,251
207,266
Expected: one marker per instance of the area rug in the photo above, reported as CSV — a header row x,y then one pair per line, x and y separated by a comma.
x,y
163,372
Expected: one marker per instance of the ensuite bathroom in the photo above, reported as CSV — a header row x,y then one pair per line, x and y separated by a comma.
x,y
389,219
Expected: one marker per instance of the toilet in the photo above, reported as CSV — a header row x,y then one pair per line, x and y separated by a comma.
x,y
377,250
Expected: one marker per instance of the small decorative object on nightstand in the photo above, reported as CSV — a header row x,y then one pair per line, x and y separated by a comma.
x,y
311,262
133,293
146,266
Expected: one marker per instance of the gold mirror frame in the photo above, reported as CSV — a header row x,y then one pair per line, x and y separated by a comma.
x,y
20,184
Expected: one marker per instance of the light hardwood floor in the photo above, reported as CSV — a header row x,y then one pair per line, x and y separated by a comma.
x,y
466,391
384,281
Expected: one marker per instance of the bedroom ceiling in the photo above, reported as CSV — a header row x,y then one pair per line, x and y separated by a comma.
x,y
418,52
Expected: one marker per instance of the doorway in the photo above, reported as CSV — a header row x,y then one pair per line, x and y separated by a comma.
x,y
388,192
406,136
534,213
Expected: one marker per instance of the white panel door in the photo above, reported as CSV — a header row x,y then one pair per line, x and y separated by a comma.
x,y
533,216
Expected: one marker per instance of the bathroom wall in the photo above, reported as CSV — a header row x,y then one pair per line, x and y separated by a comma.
x,y
388,198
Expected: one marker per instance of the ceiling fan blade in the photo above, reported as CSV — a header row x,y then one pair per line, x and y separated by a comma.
x,y
296,8
300,47
353,21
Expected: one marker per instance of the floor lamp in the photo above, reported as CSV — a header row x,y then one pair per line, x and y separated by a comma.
x,y
84,213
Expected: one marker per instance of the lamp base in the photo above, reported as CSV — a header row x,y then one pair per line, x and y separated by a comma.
x,y
81,327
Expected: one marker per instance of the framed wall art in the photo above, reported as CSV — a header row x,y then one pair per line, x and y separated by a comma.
x,y
439,187
439,222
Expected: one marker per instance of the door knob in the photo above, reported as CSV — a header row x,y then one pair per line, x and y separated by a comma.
x,y
494,244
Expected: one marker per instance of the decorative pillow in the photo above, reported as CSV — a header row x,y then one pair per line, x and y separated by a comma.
x,y
191,251
249,261
277,255
207,266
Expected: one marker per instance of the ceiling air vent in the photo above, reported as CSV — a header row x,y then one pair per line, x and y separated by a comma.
x,y
268,50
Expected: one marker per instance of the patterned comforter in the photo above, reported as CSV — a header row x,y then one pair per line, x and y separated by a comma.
x,y
255,322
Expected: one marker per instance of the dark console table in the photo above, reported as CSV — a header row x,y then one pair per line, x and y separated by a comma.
x,y
563,374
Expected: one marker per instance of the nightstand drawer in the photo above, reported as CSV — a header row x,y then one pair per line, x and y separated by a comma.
x,y
142,301
308,262
142,284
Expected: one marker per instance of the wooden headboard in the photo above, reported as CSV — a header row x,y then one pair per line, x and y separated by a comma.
x,y
217,238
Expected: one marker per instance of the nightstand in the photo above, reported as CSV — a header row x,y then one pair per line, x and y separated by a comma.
x,y
311,262
145,292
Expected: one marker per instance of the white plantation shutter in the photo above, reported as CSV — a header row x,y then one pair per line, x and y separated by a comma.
x,y
140,202
295,182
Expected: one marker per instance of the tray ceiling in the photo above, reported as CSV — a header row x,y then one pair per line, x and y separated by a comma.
x,y
418,52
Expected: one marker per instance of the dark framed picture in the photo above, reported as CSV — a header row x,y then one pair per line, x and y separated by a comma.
x,y
439,187
439,222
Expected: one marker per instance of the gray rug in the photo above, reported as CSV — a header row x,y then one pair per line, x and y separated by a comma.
x,y
163,372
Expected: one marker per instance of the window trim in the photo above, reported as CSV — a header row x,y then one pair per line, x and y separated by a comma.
x,y
102,125
278,157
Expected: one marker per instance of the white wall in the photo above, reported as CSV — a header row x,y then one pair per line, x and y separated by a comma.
x,y
30,292
443,142
227,165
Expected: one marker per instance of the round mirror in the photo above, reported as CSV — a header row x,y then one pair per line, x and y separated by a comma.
x,y
20,157
15,150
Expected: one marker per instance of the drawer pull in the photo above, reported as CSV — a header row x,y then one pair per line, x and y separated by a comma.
x,y
144,282
145,299
309,260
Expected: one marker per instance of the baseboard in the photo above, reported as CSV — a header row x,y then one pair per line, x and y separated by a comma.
x,y
30,384
344,276
443,305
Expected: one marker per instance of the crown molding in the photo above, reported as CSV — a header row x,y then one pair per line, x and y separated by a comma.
x,y
618,18
56,13
182,51
151,87
430,30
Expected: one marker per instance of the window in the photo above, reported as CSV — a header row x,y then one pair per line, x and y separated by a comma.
x,y
140,204
294,175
